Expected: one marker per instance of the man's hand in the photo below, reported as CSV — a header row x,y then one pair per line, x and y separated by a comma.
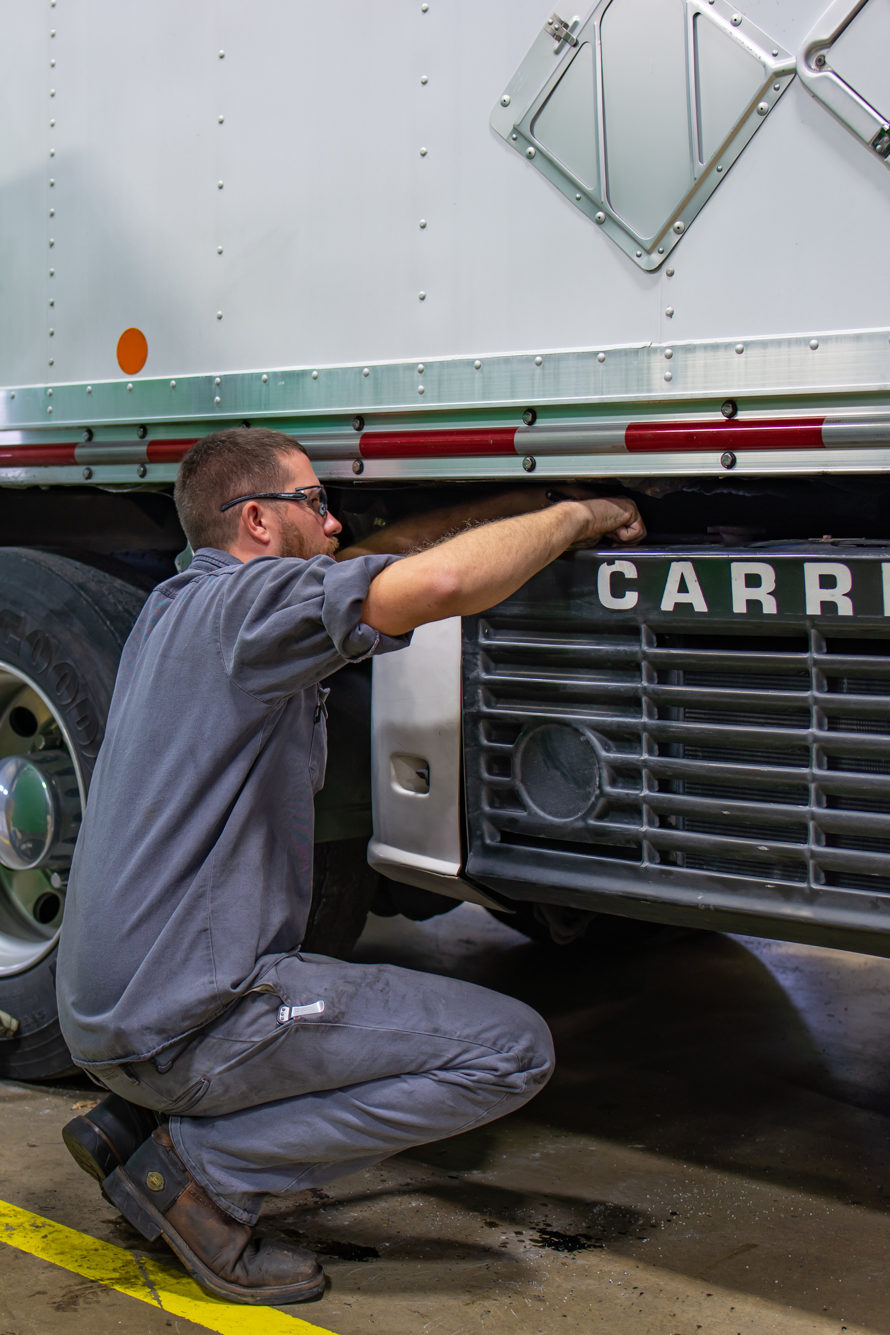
x,y
483,565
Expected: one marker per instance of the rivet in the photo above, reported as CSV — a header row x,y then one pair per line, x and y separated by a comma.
x,y
51,242
52,181
52,92
762,108
669,312
736,20
50,408
52,64
52,125
529,464
477,366
669,352
601,357
740,348
219,315
539,361
52,32
578,197
728,460
89,389
12,395
420,389
423,152
668,375
529,152
420,368
719,166
424,8
217,400
661,250
51,332
366,372
141,470
600,217
424,78
52,273
775,50
172,384
814,343
87,474
421,296
358,466
130,388
52,213
52,152
52,301
422,223
820,61
49,393
219,185
265,380
220,120
679,227
218,381
142,432
514,136
777,87
729,407
505,100
530,416
219,250
222,55
639,254
51,362
358,423
314,375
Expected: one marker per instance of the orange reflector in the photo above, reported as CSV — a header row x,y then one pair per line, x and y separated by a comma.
x,y
132,351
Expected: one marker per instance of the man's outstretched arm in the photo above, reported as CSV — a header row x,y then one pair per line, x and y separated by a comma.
x,y
479,567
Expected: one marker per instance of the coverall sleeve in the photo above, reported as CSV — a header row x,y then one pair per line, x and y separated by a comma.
x,y
285,623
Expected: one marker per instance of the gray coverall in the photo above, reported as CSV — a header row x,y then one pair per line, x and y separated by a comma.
x,y
180,981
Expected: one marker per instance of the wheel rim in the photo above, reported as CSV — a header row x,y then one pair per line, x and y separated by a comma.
x,y
41,798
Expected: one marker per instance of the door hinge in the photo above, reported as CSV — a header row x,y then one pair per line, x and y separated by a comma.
x,y
559,30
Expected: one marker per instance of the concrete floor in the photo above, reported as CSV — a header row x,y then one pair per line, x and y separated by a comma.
x,y
712,1155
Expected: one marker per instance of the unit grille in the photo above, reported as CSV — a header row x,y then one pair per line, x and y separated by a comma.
x,y
737,754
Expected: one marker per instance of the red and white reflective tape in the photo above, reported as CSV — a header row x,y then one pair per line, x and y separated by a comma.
x,y
603,437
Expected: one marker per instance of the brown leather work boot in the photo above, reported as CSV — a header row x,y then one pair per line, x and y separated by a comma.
x,y
158,1196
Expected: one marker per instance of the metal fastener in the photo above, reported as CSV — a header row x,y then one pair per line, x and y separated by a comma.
x,y
821,61
422,223
49,393
505,100
530,416
668,375
669,352
220,120
728,460
141,470
814,343
86,435
130,388
265,379
172,384
529,464
222,55
219,250
87,474
762,108
358,466
421,296
219,185
736,20
420,389
314,375
358,423
530,152
218,380
477,365
740,348
155,1181
599,217
142,432
669,312
366,372
601,357
420,368
50,408
424,78
679,227
423,152
217,400
729,407
219,315
89,389
539,361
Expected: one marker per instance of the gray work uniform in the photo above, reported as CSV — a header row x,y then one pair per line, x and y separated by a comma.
x,y
180,981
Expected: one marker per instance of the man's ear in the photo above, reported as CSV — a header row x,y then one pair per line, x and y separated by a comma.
x,y
253,521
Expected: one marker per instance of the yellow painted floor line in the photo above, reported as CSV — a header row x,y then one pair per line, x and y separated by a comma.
x,y
153,1282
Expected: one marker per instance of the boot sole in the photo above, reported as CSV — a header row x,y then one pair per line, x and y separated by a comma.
x,y
135,1207
90,1149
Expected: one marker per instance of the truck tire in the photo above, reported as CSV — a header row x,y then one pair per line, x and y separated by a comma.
x,y
343,888
62,627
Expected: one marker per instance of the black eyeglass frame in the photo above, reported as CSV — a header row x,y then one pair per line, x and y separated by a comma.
x,y
301,495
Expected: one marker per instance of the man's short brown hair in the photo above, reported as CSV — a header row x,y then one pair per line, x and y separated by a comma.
x,y
222,466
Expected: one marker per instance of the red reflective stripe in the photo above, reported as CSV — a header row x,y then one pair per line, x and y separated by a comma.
x,y
437,444
803,433
167,451
23,456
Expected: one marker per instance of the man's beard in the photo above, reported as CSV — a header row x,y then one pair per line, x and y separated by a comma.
x,y
294,542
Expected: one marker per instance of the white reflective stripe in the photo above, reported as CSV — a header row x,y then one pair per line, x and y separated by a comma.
x,y
286,1013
